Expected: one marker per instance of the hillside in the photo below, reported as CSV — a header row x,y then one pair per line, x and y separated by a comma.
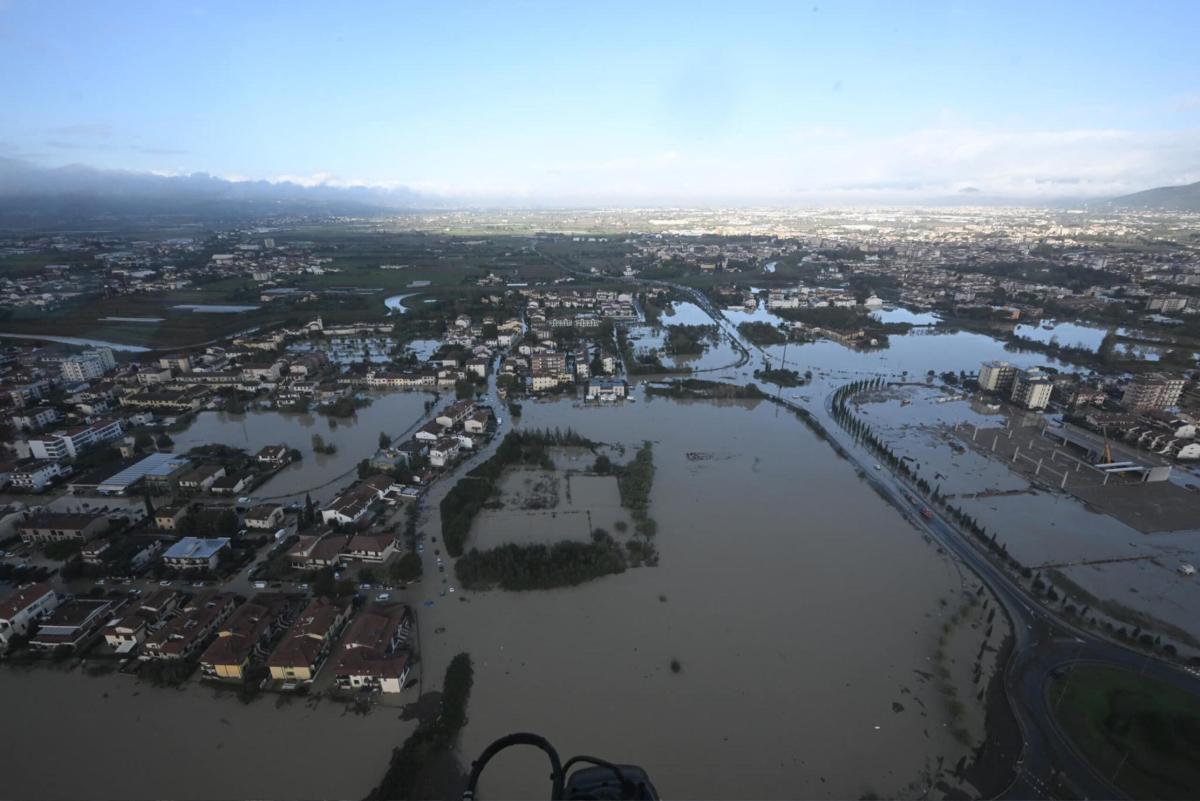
x,y
1168,198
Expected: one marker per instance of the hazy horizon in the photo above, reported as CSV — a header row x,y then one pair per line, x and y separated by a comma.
x,y
525,104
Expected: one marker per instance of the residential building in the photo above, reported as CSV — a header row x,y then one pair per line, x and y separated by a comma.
x,y
95,551
1031,389
36,476
375,548
201,478
125,633
315,551
478,421
89,365
21,611
264,517
606,389
548,363
68,444
36,418
23,395
1167,304
1153,391
455,413
195,553
372,655
72,624
229,484
60,527
997,376
274,455
264,371
244,635
160,602
302,651
185,635
179,362
167,518
444,451
351,506
430,431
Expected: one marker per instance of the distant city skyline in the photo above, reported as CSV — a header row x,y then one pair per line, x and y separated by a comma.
x,y
621,103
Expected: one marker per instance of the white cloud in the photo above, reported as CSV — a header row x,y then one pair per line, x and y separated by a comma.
x,y
313,179
819,163
1018,164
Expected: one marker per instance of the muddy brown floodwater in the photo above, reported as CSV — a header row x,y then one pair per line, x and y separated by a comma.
x,y
356,438
804,611
806,614
71,735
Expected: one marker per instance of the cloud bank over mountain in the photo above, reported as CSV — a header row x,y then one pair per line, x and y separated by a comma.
x,y
35,195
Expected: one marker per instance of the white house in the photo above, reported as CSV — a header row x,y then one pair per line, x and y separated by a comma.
x,y
604,390
444,451
20,611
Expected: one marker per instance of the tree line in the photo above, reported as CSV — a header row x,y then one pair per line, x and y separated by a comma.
x,y
433,741
466,498
540,567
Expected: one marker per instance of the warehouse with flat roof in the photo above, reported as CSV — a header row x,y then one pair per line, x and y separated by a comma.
x,y
154,465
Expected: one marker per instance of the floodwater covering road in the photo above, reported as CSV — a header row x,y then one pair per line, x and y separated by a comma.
x,y
356,438
113,736
804,613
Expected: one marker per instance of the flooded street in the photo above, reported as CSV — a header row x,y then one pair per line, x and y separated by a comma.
x,y
776,566
1043,529
823,643
136,740
356,438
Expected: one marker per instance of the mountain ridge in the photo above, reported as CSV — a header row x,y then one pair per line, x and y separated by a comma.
x,y
1184,197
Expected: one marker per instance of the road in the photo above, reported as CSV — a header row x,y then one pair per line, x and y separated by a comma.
x,y
1043,642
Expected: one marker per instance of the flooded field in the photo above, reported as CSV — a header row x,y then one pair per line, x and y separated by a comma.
x,y
356,438
1067,334
718,351
1041,528
539,505
922,349
345,351
777,564
135,740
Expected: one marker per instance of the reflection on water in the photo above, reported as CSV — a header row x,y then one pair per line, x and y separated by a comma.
x,y
685,313
356,438
95,343
1065,334
423,348
396,302
191,743
776,562
345,351
902,315
916,352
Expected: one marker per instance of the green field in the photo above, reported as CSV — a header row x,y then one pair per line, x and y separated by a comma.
x,y
1142,734
451,266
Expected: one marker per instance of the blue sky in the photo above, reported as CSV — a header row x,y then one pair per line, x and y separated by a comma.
x,y
616,102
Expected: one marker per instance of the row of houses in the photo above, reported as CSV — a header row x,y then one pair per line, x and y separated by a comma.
x,y
328,548
292,638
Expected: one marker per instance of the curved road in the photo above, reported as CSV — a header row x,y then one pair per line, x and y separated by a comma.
x,y
1043,645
